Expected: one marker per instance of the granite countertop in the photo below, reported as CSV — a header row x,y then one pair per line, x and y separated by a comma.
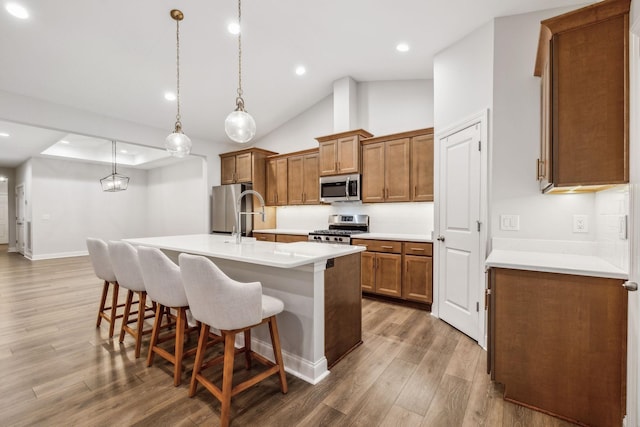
x,y
282,255
581,265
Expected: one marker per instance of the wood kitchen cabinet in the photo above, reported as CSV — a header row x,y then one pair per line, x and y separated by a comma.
x,y
422,167
398,167
381,271
558,343
340,153
386,170
276,176
280,238
303,185
417,275
244,166
583,64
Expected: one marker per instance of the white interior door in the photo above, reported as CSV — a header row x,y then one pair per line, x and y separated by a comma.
x,y
20,223
458,230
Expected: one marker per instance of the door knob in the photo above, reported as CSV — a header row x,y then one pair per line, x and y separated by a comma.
x,y
441,238
630,286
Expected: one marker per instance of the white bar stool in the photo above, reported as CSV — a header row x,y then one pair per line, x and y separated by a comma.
x,y
218,301
101,262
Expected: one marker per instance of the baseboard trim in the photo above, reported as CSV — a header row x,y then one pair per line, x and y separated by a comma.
x,y
58,255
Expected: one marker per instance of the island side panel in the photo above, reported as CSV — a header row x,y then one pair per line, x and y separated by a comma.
x,y
343,307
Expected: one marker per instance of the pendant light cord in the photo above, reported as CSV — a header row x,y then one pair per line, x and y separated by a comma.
x,y
239,100
113,157
178,123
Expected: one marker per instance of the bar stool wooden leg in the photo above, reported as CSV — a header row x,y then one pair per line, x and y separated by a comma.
x,y
202,348
181,320
247,348
125,316
103,300
114,309
155,333
142,301
277,352
227,377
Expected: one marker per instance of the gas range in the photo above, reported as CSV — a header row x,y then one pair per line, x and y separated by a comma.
x,y
341,228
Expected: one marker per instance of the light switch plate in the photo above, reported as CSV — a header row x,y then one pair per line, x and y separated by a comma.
x,y
580,224
510,222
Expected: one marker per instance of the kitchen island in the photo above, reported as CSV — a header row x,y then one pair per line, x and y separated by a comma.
x,y
318,283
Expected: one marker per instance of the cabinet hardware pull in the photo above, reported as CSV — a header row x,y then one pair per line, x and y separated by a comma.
x,y
538,169
386,247
417,249
415,191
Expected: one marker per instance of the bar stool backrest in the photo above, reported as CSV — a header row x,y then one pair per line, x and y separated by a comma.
x,y
100,259
124,258
162,278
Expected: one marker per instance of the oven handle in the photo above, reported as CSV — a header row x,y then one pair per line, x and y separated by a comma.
x,y
346,188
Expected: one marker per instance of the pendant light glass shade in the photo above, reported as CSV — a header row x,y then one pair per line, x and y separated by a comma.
x,y
178,144
239,125
115,181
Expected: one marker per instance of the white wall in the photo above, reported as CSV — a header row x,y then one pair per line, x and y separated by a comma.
x,y
177,199
299,133
68,205
515,141
463,78
386,107
400,218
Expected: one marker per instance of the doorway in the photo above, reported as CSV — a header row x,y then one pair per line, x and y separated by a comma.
x,y
20,219
4,211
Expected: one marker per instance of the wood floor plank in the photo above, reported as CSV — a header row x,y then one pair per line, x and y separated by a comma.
x,y
57,368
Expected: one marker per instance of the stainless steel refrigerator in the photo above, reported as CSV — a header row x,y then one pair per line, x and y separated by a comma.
x,y
223,209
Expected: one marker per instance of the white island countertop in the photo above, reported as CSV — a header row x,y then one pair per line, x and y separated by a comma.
x,y
282,255
581,265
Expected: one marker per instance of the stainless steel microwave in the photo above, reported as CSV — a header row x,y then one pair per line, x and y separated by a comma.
x,y
340,188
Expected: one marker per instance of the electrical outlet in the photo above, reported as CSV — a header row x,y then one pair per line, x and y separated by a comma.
x,y
580,224
510,222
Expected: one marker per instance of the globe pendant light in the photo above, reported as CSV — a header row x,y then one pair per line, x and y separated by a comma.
x,y
115,181
239,125
178,144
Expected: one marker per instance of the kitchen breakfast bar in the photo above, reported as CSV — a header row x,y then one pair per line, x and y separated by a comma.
x,y
318,283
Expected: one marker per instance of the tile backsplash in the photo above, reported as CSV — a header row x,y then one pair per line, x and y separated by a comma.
x,y
612,222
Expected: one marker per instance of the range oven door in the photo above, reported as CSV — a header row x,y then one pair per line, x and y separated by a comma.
x,y
340,188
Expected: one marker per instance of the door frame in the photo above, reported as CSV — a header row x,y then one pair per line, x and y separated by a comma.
x,y
633,315
482,118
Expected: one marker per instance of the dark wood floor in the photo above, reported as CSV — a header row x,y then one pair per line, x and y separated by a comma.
x,y
56,368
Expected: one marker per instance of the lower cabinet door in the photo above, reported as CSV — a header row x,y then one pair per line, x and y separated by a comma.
x,y
367,271
417,281
389,274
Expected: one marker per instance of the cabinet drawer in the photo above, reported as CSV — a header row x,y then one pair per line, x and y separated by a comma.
x,y
290,238
414,248
265,237
388,246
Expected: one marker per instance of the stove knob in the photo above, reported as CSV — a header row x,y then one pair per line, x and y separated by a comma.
x,y
326,238
339,239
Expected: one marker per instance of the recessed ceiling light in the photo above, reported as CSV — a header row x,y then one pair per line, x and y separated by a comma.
x,y
170,96
233,28
402,47
124,151
64,141
3,179
301,70
4,135
16,10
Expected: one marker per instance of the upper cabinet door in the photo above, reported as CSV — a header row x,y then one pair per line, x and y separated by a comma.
x,y
583,59
328,157
422,168
373,185
244,169
397,170
294,180
311,180
348,155
228,169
